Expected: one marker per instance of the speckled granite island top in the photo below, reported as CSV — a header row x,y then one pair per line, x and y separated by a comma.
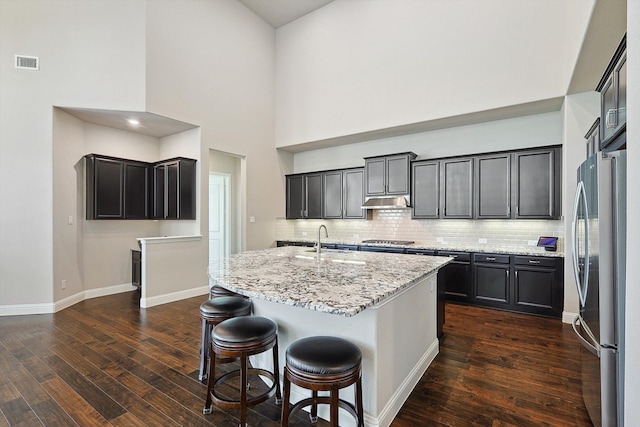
x,y
343,283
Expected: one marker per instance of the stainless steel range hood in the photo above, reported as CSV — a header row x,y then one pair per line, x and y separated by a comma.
x,y
397,202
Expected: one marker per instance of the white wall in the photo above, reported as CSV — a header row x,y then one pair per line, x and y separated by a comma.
x,y
362,65
522,132
212,64
83,48
632,336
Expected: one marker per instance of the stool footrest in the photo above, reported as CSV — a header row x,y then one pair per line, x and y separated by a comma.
x,y
323,400
234,404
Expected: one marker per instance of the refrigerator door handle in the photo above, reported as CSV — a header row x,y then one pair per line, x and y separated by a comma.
x,y
582,287
589,346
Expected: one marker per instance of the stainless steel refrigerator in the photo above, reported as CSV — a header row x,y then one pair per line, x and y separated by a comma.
x,y
599,259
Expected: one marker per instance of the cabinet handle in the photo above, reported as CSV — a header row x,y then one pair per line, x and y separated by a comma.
x,y
532,261
611,120
508,210
490,258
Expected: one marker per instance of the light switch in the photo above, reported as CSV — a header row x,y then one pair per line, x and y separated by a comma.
x,y
70,220
252,219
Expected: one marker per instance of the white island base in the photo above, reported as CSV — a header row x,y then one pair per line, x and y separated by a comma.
x,y
397,338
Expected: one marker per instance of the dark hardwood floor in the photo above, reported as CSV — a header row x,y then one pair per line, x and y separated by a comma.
x,y
105,361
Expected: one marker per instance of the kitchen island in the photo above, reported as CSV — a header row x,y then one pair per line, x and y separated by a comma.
x,y
384,303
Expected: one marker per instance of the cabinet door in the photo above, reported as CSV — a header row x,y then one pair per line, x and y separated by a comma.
x,y
425,196
397,175
455,278
295,197
534,290
187,189
136,191
491,283
614,100
493,186
108,188
375,170
353,194
159,190
456,200
171,191
332,193
537,184
313,190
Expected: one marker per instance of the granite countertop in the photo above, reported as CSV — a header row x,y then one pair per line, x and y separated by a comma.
x,y
532,251
342,283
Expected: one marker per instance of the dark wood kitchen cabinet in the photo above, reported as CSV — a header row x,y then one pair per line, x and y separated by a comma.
x,y
456,188
613,101
491,280
538,285
388,175
455,277
174,183
304,196
493,186
343,194
116,188
536,183
425,189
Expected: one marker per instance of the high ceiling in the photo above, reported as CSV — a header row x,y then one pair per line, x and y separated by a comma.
x,y
281,12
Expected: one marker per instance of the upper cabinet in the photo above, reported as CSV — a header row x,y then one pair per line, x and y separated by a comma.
x,y
425,189
128,189
493,186
523,184
613,96
304,196
456,188
337,194
116,188
388,175
174,189
537,180
343,194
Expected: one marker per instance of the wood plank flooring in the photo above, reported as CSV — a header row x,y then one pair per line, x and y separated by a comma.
x,y
105,361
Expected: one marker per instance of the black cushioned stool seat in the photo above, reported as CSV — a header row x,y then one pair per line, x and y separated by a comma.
x,y
218,291
323,364
214,311
241,337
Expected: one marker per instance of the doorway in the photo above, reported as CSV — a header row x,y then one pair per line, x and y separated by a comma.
x,y
219,215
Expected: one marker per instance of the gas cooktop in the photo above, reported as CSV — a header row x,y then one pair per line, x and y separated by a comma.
x,y
388,242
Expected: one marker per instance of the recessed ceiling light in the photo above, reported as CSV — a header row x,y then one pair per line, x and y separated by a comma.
x,y
133,122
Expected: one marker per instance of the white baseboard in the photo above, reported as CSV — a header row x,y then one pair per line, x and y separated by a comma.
x,y
567,316
173,296
26,309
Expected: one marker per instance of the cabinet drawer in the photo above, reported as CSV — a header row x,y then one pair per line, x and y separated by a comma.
x,y
459,256
491,258
536,261
429,252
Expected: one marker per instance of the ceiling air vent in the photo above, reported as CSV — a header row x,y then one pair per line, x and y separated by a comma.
x,y
27,62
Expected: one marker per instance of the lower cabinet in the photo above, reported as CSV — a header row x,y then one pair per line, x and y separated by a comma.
x,y
525,284
456,276
538,285
491,279
136,268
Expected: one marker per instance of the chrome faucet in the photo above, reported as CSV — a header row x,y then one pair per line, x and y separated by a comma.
x,y
326,234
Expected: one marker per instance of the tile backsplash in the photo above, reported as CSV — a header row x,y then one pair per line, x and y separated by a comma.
x,y
444,233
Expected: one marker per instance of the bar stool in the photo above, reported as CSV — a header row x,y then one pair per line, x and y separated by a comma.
x,y
323,364
214,311
240,338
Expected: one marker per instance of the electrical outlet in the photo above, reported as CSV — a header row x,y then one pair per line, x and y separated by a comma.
x,y
304,233
482,241
356,236
532,242
440,239
63,285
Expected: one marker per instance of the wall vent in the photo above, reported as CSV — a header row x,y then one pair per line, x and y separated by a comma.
x,y
27,62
